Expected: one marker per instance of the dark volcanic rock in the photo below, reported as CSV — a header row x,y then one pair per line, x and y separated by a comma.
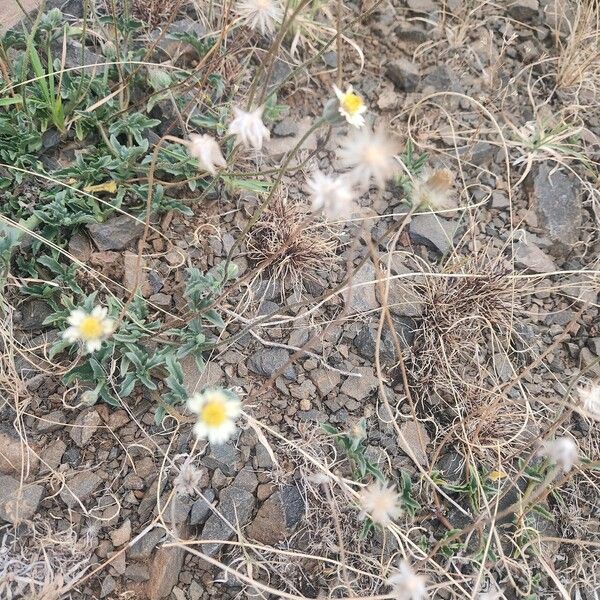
x,y
116,233
404,74
269,360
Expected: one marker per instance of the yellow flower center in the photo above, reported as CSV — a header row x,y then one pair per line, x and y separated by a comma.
x,y
351,103
214,413
90,328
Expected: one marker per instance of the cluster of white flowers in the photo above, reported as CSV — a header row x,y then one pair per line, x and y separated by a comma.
x,y
261,15
368,155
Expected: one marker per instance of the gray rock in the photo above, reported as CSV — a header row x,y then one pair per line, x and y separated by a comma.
x,y
365,343
78,56
529,256
17,457
451,465
361,295
201,509
137,572
524,10
84,427
263,458
404,74
422,6
278,516
433,231
108,586
116,233
144,546
325,380
79,488
121,535
18,501
360,388
402,299
236,505
285,128
53,454
558,206
164,572
414,440
223,457
246,480
51,422
267,361
33,314
442,79
178,509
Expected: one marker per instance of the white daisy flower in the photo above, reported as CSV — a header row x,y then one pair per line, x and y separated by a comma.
x,y
91,329
217,410
563,452
205,149
260,15
433,189
249,128
590,398
333,195
371,155
406,584
351,106
380,503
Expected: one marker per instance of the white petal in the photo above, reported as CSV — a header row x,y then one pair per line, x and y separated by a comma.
x,y
76,317
195,403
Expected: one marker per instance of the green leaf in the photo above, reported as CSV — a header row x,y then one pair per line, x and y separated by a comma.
x,y
17,99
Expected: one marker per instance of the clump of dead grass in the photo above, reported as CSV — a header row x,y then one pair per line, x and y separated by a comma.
x,y
579,50
463,350
39,563
291,245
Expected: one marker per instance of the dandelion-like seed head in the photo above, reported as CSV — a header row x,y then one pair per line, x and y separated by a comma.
x,y
406,584
205,149
248,128
562,451
91,329
217,410
351,106
188,479
371,155
590,398
380,502
260,15
332,195
433,190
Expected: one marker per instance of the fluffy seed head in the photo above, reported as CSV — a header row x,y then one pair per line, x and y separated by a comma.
x,y
188,479
371,156
217,410
91,329
333,195
248,128
351,106
406,584
433,189
206,151
260,15
590,398
380,502
562,452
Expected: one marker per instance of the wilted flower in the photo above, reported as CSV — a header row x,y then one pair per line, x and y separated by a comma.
x,y
260,15
433,189
590,398
217,410
351,106
333,195
188,479
370,155
91,329
380,503
406,584
206,151
248,128
561,451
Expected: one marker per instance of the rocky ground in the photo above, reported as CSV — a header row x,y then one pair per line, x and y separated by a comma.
x,y
496,325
